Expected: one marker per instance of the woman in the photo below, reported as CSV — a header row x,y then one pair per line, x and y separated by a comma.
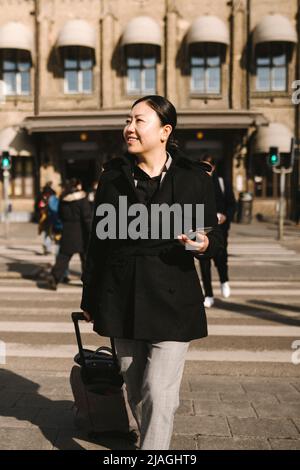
x,y
75,215
145,292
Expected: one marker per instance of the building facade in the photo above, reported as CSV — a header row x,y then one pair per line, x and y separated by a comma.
x,y
70,70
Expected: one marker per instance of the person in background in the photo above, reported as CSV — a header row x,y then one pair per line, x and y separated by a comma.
x,y
226,206
43,217
75,215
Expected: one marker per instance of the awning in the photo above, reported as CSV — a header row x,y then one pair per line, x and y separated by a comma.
x,y
274,28
15,35
77,33
142,30
115,120
273,135
16,142
208,28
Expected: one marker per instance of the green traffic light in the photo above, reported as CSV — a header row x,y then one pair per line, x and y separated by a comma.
x,y
274,158
5,162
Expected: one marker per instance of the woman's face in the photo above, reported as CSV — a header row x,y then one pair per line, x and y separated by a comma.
x,y
143,132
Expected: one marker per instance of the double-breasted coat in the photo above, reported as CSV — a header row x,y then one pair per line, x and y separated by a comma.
x,y
148,289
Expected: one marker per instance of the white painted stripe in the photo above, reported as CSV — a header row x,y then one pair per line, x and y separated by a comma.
x,y
68,351
240,356
72,290
213,330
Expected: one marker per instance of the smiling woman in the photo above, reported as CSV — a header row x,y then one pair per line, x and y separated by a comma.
x,y
144,292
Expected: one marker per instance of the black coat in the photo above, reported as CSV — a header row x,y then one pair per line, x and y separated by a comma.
x,y
148,289
225,200
75,214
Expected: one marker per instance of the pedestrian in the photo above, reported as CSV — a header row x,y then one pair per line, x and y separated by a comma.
x,y
44,223
75,216
145,293
226,206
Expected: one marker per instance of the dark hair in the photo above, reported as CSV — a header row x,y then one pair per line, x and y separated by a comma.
x,y
167,115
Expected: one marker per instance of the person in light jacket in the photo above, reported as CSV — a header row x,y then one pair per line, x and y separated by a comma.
x,y
145,292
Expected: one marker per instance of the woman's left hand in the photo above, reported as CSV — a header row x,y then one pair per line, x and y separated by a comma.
x,y
201,243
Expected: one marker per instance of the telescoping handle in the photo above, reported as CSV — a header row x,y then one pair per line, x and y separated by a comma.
x,y
76,317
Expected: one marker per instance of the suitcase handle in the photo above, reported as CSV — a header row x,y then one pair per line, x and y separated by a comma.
x,y
78,316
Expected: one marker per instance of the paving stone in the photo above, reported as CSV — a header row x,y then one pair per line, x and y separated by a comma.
x,y
233,443
296,384
208,386
179,442
239,409
284,409
263,427
297,423
60,419
201,425
18,417
258,397
185,386
212,396
40,401
288,397
27,439
285,444
185,408
272,387
9,398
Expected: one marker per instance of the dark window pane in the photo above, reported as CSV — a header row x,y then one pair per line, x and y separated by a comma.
x,y
133,62
279,78
86,59
25,83
87,81
149,62
197,60
263,79
134,80
10,80
213,80
24,62
71,81
198,79
150,80
9,59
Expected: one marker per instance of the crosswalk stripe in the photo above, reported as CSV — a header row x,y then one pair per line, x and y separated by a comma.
x,y
68,351
213,330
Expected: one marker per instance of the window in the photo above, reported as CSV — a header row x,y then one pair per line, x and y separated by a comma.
x,y
205,64
271,67
141,69
22,179
15,71
78,69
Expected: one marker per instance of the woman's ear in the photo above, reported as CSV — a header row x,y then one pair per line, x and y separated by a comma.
x,y
166,131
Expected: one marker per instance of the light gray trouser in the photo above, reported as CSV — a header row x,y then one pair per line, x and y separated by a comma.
x,y
152,373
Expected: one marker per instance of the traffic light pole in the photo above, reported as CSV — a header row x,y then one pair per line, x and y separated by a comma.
x,y
6,201
283,172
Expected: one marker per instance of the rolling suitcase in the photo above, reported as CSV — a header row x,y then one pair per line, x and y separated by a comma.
x,y
99,392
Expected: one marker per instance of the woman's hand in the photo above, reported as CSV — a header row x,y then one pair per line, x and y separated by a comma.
x,y
87,316
201,243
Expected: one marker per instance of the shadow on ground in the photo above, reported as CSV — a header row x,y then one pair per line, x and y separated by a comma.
x,y
21,400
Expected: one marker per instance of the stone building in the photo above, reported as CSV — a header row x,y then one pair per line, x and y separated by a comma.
x,y
70,69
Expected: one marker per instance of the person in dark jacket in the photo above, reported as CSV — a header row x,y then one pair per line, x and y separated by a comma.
x,y
226,206
75,215
143,290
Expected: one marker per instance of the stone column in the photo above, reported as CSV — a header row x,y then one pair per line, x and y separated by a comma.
x,y
239,43
171,50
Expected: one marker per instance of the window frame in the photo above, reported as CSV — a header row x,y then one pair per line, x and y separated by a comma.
x,y
200,50
16,71
271,67
141,52
22,175
79,71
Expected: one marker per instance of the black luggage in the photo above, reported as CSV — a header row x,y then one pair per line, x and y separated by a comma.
x,y
100,396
